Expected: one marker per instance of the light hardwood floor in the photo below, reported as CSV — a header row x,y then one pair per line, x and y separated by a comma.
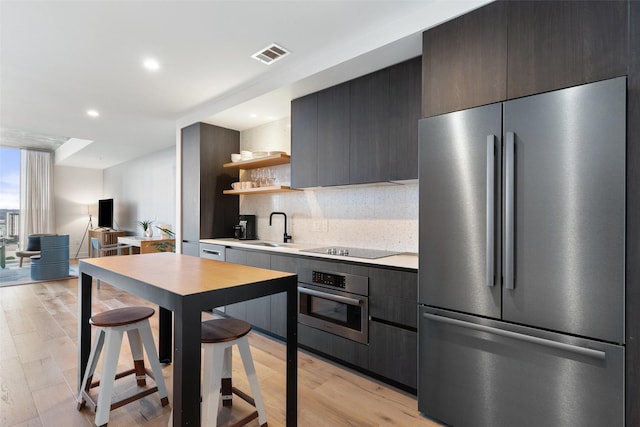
x,y
38,345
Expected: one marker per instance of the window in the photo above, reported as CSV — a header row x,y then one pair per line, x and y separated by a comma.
x,y
10,200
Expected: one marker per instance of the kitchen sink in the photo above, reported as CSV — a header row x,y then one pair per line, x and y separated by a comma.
x,y
268,244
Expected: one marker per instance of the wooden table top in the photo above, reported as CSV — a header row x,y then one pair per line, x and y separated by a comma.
x,y
182,274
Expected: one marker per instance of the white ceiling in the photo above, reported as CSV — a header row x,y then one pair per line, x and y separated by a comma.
x,y
60,58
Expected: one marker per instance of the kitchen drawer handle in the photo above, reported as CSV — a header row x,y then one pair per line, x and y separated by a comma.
x,y
332,297
491,173
589,352
207,251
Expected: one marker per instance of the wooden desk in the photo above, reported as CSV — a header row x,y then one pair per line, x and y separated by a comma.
x,y
145,245
187,286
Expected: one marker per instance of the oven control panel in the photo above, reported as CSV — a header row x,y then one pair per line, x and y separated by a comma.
x,y
330,279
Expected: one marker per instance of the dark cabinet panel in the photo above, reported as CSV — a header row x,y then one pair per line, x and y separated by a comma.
x,y
369,118
393,296
206,212
237,310
259,309
304,141
558,44
333,345
393,352
464,61
333,136
405,95
279,301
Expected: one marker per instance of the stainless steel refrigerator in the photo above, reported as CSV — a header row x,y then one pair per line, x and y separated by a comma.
x,y
522,244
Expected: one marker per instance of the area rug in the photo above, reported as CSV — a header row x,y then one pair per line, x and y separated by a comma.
x,y
15,275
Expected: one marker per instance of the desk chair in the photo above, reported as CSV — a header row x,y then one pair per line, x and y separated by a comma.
x,y
98,250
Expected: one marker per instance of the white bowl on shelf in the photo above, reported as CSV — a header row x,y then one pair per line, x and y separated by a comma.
x,y
236,157
246,155
259,154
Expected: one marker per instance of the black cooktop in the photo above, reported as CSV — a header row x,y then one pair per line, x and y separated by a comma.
x,y
351,252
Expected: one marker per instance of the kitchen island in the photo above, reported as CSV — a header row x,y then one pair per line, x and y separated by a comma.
x,y
187,286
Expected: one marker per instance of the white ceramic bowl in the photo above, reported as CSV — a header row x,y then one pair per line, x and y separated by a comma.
x,y
258,154
236,157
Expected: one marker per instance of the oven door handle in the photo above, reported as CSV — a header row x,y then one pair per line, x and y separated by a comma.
x,y
332,297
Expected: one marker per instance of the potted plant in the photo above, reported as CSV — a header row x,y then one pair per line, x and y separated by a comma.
x,y
165,231
146,226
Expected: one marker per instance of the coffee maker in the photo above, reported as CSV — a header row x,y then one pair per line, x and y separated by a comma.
x,y
246,228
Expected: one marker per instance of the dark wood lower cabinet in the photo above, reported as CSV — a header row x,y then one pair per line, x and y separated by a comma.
x,y
393,353
392,350
332,345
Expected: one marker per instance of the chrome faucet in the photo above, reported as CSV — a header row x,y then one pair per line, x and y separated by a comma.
x,y
286,236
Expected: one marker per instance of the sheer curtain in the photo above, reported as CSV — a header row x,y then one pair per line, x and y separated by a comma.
x,y
36,194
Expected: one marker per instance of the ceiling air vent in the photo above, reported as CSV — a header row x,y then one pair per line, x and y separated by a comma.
x,y
270,54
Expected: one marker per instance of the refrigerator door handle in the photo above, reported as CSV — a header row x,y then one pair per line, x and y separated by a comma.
x,y
509,208
491,173
583,351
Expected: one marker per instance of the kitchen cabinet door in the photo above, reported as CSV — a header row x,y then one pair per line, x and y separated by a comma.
x,y
405,95
237,310
333,136
558,44
369,118
334,346
393,296
279,301
393,352
259,309
464,61
304,141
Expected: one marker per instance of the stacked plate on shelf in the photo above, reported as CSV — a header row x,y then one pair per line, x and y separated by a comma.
x,y
250,155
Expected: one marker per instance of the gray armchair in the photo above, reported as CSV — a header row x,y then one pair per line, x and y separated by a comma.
x,y
53,261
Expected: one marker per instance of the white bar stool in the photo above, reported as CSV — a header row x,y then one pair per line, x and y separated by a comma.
x,y
218,338
112,325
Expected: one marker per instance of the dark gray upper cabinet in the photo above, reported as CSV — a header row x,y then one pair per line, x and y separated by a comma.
x,y
558,44
304,141
206,212
369,140
464,61
405,85
361,131
508,50
333,135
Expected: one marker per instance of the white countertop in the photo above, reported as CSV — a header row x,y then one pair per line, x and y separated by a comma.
x,y
406,260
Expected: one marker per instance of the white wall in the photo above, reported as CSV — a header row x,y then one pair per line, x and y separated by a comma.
x,y
381,216
144,188
77,191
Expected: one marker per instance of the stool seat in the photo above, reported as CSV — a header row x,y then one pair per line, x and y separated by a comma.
x,y
223,330
121,316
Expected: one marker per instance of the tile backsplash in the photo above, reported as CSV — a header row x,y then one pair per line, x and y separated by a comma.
x,y
378,216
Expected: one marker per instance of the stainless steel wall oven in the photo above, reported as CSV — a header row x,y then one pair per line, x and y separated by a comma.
x,y
337,303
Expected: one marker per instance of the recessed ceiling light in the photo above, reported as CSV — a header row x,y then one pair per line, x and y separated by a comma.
x,y
151,64
93,113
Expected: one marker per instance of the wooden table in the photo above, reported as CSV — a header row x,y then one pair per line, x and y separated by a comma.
x,y
145,245
187,286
